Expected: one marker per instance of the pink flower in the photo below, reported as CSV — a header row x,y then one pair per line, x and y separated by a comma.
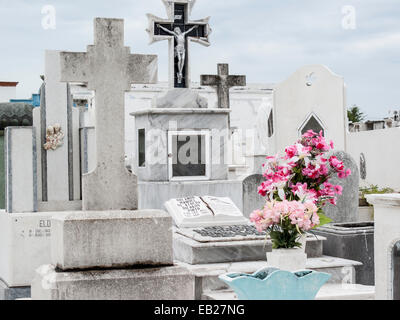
x,y
303,173
291,151
338,189
341,174
309,134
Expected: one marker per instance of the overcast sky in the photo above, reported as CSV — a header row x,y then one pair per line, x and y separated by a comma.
x,y
267,40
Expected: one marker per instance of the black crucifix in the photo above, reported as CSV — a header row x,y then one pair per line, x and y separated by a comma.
x,y
177,29
223,82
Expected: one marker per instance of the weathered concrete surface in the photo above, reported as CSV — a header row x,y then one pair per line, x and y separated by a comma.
x,y
115,239
346,209
181,98
109,69
169,283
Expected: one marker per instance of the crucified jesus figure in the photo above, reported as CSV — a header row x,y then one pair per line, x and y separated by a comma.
x,y
180,49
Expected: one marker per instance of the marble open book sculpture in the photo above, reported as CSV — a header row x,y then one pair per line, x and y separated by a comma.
x,y
275,284
204,211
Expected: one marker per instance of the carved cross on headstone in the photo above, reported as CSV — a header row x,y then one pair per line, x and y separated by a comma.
x,y
109,69
177,29
223,81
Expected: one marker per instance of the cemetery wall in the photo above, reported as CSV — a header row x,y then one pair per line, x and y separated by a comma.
x,y
382,156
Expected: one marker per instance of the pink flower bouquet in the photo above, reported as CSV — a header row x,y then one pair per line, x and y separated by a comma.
x,y
297,187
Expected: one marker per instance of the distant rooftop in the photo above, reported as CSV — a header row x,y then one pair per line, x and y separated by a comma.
x,y
8,84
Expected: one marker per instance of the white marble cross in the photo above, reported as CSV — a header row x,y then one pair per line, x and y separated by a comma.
x,y
109,69
223,81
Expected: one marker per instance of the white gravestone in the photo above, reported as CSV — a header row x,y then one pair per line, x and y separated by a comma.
x,y
109,69
58,153
20,165
312,98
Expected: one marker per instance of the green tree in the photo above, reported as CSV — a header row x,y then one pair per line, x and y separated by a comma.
x,y
355,114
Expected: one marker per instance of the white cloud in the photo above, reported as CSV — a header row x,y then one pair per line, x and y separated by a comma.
x,y
378,42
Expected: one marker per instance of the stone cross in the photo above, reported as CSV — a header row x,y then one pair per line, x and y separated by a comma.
x,y
223,81
159,29
109,69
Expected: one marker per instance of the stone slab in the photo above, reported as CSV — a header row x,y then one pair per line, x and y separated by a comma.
x,y
50,206
181,98
341,271
25,241
193,252
112,239
327,292
178,111
346,209
168,283
7,293
20,169
345,240
252,200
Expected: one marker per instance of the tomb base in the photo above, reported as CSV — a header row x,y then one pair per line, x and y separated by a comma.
x,y
352,241
194,252
111,239
167,283
342,272
24,245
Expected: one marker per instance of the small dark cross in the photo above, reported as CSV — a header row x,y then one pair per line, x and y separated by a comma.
x,y
179,29
223,81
